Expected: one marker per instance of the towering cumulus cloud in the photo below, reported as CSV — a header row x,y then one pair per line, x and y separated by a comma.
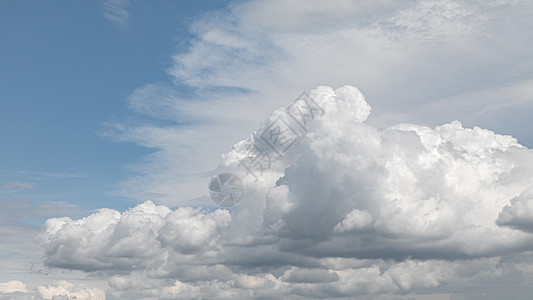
x,y
332,207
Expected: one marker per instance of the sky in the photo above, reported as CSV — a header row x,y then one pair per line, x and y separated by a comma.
x,y
409,178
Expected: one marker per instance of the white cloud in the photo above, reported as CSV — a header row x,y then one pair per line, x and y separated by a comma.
x,y
66,290
407,182
348,209
427,62
392,48
137,238
186,231
180,290
12,287
356,207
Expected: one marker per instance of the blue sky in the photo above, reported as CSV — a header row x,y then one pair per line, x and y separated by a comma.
x,y
66,69
115,114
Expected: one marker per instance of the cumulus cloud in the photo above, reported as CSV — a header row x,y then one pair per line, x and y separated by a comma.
x,y
66,290
138,238
333,207
356,220
519,213
442,185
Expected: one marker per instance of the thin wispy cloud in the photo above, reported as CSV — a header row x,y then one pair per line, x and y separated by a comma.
x,y
16,185
38,175
116,12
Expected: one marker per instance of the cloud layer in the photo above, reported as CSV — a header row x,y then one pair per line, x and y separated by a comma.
x,y
333,207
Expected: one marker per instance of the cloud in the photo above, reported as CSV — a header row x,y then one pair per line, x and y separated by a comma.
x,y
66,290
423,62
519,213
12,286
297,15
405,183
180,291
15,184
335,208
394,44
356,220
358,205
19,224
137,238
115,12
298,275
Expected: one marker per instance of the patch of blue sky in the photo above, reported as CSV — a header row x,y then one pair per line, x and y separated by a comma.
x,y
65,71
